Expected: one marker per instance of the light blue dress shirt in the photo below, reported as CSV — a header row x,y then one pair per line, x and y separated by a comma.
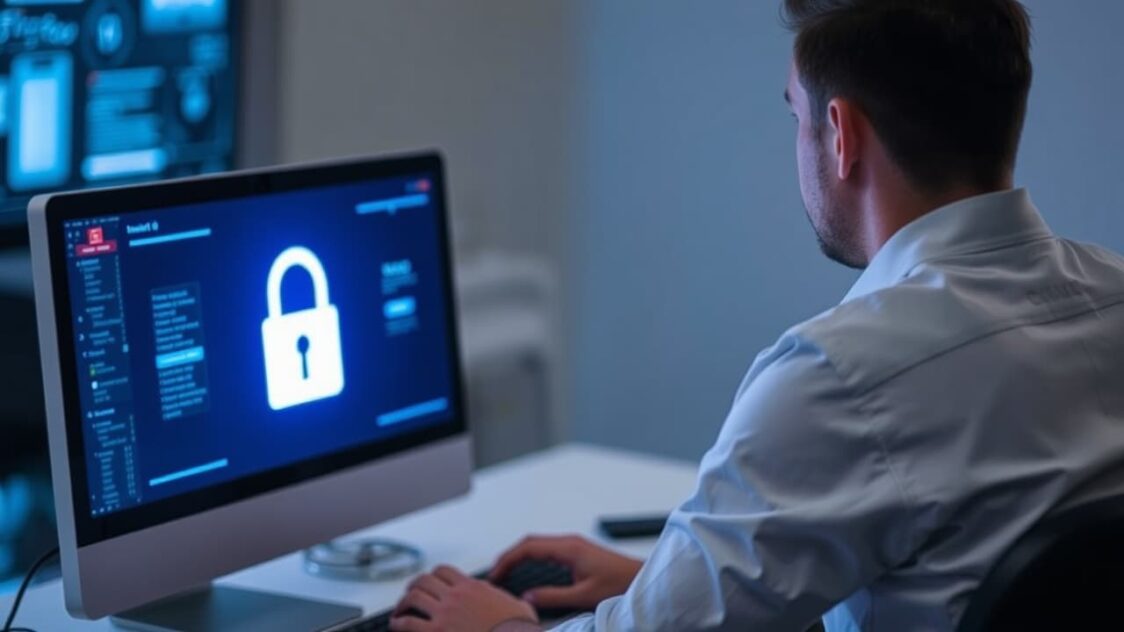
x,y
880,457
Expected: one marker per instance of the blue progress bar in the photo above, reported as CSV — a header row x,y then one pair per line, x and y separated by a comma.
x,y
163,239
393,205
413,412
176,358
191,471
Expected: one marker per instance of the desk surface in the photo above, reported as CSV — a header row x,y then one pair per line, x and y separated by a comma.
x,y
561,490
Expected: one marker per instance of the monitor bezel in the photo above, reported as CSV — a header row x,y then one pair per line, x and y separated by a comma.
x,y
151,197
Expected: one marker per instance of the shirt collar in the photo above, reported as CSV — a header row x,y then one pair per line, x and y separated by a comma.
x,y
970,225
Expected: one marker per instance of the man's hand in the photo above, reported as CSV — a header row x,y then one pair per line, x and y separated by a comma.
x,y
598,572
456,603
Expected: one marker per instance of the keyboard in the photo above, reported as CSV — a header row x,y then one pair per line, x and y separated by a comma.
x,y
528,575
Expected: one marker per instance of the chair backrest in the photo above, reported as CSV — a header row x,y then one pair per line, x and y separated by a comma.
x,y
1066,573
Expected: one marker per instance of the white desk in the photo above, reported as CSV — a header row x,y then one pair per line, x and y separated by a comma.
x,y
561,490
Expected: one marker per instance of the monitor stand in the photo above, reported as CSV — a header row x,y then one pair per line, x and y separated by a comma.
x,y
227,608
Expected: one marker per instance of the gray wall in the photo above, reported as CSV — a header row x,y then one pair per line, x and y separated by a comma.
x,y
490,82
689,248
1072,156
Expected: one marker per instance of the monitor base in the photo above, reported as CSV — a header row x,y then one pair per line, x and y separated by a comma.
x,y
228,608
370,559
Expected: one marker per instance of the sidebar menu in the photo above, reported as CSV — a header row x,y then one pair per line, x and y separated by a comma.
x,y
102,345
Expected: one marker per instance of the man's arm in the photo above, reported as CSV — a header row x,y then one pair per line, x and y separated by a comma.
x,y
798,506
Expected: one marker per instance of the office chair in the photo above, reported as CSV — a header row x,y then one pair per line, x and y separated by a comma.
x,y
1066,573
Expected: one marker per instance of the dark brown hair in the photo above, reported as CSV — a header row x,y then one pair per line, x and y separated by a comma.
x,y
943,82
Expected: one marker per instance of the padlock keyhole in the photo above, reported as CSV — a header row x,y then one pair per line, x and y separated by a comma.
x,y
302,348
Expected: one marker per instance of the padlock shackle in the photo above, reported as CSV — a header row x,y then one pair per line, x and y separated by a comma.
x,y
295,256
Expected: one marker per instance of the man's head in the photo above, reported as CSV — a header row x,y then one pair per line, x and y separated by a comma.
x,y
902,99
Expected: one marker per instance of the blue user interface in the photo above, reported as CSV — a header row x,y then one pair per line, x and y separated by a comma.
x,y
101,92
218,340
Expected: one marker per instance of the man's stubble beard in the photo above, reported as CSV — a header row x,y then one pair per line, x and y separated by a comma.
x,y
836,233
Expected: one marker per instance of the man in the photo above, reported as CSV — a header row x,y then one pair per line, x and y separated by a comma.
x,y
879,458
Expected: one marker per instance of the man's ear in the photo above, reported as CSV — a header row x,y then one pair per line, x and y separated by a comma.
x,y
843,118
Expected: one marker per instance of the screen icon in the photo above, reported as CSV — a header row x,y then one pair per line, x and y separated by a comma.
x,y
40,107
303,356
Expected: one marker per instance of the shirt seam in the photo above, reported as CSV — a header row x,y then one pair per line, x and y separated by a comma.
x,y
987,332
982,249
863,408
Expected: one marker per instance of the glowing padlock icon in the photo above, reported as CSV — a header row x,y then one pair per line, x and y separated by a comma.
x,y
303,356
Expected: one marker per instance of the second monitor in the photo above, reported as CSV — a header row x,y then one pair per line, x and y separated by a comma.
x,y
115,91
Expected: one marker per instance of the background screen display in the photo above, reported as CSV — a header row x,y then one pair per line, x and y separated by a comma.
x,y
100,92
221,340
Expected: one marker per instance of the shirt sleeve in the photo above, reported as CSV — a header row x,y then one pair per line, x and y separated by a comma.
x,y
797,507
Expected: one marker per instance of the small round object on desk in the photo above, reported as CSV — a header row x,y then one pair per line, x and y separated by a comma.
x,y
362,560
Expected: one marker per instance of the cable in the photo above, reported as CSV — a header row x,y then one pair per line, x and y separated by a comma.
x,y
23,588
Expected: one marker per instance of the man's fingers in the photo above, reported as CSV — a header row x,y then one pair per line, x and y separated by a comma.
x,y
418,600
553,548
449,575
557,597
411,624
507,561
429,584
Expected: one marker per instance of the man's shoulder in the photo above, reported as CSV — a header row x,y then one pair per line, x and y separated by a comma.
x,y
869,338
945,305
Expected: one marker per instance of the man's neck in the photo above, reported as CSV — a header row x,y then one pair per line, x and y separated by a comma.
x,y
892,208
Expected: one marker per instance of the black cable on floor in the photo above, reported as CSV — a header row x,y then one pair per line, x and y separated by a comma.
x,y
46,557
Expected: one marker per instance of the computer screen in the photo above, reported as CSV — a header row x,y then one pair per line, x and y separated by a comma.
x,y
101,92
227,347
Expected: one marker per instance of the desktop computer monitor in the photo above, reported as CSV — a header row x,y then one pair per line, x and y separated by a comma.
x,y
242,365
